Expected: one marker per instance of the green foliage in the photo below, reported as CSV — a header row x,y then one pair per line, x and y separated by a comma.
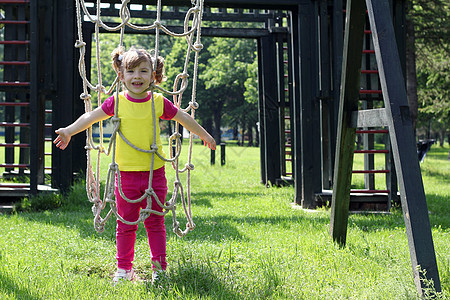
x,y
432,32
41,202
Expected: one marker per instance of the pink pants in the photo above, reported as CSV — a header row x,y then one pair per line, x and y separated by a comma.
x,y
134,185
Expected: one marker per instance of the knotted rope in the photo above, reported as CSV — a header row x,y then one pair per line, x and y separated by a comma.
x,y
192,35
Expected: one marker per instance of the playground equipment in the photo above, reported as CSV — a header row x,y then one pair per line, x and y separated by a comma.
x,y
302,57
191,33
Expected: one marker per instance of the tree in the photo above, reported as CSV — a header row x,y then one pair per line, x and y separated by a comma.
x,y
431,33
225,75
428,36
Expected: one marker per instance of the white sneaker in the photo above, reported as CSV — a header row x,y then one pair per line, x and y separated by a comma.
x,y
157,276
122,274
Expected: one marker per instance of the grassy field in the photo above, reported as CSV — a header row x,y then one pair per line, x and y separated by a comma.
x,y
249,243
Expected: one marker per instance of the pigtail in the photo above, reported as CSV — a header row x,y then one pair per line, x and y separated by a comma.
x,y
117,57
159,72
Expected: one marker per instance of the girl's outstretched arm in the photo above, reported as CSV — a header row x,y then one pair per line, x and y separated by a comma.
x,y
190,124
81,124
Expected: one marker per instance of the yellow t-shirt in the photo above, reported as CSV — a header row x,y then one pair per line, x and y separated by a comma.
x,y
136,124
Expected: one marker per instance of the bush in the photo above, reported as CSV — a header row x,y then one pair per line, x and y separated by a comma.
x,y
41,202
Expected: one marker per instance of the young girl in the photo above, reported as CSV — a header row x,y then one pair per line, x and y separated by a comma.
x,y
135,70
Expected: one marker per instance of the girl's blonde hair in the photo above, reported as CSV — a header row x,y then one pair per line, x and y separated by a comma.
x,y
123,60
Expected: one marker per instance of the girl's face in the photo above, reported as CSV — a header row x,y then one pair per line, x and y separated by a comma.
x,y
138,79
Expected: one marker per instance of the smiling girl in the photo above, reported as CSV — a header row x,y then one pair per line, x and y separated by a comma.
x,y
135,70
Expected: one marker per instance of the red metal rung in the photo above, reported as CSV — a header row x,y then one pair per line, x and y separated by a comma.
x,y
14,1
15,83
373,131
369,51
14,165
14,185
14,103
371,151
369,71
14,63
288,145
6,124
367,31
288,159
370,92
370,171
10,145
13,21
14,42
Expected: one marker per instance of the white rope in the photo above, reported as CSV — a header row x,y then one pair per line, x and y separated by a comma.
x,y
193,17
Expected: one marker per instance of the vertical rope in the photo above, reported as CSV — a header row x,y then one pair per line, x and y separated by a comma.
x,y
92,179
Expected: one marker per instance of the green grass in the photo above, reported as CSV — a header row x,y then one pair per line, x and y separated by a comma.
x,y
249,243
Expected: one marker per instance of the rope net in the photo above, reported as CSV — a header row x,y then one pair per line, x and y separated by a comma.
x,y
191,33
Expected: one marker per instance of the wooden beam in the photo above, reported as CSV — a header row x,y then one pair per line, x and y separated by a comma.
x,y
369,118
414,205
310,160
349,97
270,109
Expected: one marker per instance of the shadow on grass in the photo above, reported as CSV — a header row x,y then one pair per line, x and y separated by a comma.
x,y
194,280
9,287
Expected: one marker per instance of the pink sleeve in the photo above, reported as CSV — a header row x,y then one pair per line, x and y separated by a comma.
x,y
108,106
170,110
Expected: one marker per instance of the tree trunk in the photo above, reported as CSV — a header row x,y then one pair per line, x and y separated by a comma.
x,y
250,135
411,75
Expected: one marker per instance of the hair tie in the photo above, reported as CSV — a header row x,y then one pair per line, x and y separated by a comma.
x,y
120,57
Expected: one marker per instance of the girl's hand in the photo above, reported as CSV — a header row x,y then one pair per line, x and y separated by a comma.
x,y
63,138
209,142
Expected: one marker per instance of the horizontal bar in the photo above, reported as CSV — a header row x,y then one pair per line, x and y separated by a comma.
x,y
14,185
48,125
370,191
370,171
14,63
371,151
14,42
369,118
369,72
14,1
14,103
370,91
373,131
16,83
14,165
13,22
11,145
7,124
288,159
288,145
369,51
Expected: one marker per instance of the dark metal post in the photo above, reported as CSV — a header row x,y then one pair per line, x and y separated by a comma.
x,y
213,157
67,104
270,113
309,104
222,154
